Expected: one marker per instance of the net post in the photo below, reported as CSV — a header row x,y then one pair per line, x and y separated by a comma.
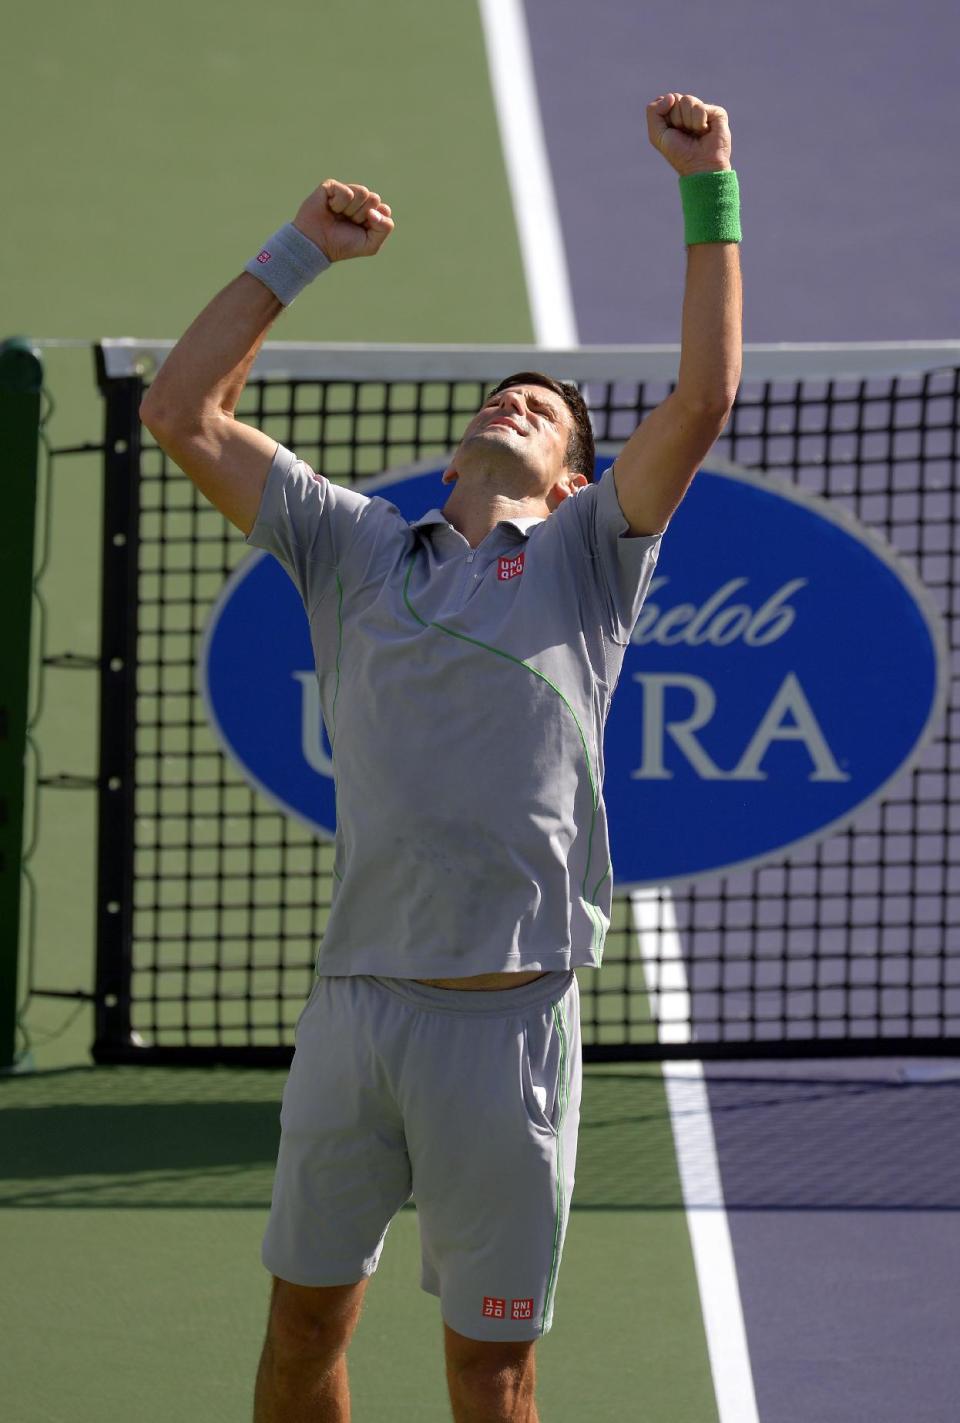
x,y
118,660
21,383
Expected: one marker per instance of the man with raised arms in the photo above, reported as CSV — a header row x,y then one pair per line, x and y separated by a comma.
x,y
466,663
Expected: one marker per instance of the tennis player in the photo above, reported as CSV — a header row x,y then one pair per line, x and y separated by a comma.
x,y
466,663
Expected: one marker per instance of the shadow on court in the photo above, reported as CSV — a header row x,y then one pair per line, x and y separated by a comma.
x,y
159,1138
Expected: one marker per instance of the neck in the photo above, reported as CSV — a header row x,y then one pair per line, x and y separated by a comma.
x,y
476,513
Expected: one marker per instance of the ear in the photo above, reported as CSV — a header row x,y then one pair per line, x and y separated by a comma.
x,y
568,484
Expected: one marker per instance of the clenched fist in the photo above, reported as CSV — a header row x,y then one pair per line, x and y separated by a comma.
x,y
693,137
345,220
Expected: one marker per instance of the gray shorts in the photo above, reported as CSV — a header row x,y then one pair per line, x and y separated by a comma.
x,y
469,1101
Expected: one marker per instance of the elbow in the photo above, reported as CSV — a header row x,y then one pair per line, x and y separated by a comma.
x,y
168,423
148,419
710,395
728,398
726,395
155,416
709,408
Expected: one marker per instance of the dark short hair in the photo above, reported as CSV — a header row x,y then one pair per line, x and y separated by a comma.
x,y
581,452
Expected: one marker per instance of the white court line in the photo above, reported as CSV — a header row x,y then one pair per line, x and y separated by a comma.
x,y
655,923
528,172
554,324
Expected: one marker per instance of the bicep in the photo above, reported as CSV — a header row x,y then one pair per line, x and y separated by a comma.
x,y
227,461
656,466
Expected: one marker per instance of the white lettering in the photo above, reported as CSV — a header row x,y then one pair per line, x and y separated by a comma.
x,y
674,618
715,623
699,630
781,619
704,704
311,725
728,625
789,700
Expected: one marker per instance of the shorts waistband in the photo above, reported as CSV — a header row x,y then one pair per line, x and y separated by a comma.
x,y
490,1002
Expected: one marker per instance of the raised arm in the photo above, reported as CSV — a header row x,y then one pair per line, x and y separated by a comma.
x,y
189,408
658,462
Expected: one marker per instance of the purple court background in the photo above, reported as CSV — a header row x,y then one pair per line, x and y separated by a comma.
x,y
841,1180
843,115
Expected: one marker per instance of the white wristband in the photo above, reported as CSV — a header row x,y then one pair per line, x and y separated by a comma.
x,y
287,262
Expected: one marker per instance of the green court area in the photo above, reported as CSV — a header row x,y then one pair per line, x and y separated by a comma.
x,y
133,1201
155,165
165,144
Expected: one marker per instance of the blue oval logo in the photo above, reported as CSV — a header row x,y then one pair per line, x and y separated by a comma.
x,y
786,667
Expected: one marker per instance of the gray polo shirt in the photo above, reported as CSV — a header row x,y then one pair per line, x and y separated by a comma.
x,y
464,693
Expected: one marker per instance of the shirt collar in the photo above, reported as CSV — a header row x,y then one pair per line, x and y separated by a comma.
x,y
435,516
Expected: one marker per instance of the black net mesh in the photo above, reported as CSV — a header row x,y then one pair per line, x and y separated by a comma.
x,y
852,940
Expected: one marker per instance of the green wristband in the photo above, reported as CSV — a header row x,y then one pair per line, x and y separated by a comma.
x,y
711,207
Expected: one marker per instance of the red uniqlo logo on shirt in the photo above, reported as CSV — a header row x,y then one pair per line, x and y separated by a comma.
x,y
510,567
263,256
521,1309
494,1308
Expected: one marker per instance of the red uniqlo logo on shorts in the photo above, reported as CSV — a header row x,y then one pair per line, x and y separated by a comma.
x,y
494,1308
521,1309
510,567
263,256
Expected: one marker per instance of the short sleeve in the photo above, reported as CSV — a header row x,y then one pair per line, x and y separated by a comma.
x,y
621,563
312,526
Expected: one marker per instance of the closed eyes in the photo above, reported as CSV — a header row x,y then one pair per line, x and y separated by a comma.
x,y
534,404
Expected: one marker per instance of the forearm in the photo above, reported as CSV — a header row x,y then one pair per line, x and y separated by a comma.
x,y
711,350
201,380
207,369
189,408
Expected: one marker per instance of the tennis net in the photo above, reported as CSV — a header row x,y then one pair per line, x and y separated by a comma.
x,y
211,901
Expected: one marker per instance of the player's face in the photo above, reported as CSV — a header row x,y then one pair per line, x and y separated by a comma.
x,y
530,420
